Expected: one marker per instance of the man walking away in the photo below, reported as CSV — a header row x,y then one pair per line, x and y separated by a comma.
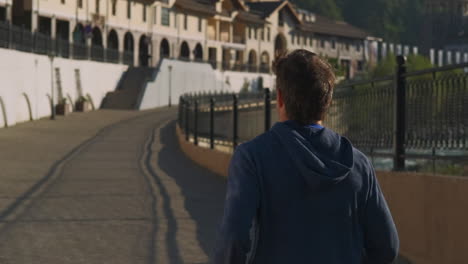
x,y
300,193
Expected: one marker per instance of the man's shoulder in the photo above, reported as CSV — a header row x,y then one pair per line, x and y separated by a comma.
x,y
361,162
258,143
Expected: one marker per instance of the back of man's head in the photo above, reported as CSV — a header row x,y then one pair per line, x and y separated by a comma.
x,y
306,84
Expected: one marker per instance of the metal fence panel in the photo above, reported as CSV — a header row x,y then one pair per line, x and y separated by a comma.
x,y
435,114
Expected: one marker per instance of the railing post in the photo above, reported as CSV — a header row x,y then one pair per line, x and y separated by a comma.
x,y
195,125
234,120
187,119
400,116
212,105
267,98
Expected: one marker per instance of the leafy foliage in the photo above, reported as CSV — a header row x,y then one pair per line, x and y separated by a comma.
x,y
387,65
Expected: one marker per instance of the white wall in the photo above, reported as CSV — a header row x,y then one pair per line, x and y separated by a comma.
x,y
237,80
185,77
194,77
29,75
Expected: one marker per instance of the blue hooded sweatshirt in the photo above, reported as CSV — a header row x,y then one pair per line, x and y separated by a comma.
x,y
303,194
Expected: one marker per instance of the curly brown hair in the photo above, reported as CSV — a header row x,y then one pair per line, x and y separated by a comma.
x,y
306,83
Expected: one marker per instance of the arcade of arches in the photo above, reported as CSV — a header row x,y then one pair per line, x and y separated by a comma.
x,y
96,37
198,52
144,51
280,44
113,40
164,50
184,51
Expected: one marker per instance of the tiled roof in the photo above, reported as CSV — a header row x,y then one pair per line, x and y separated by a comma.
x,y
264,8
250,17
198,6
326,26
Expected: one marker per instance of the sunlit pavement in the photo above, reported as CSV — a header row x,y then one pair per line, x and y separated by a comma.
x,y
104,187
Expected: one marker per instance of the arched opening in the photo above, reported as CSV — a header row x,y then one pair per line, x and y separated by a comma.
x,y
198,52
164,50
113,46
113,40
144,50
280,44
3,116
97,50
265,62
128,48
96,37
79,34
184,51
252,60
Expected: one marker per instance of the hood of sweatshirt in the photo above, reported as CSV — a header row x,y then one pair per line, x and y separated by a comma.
x,y
320,155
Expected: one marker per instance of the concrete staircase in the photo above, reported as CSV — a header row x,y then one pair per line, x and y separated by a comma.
x,y
128,94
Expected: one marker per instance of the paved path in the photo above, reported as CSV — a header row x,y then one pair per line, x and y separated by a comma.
x,y
104,187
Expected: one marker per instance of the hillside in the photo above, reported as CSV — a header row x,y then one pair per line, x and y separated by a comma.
x,y
393,20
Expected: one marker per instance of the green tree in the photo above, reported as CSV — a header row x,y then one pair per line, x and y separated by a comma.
x,y
326,8
393,20
387,66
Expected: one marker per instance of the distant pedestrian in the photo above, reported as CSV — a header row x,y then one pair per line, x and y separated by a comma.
x,y
301,193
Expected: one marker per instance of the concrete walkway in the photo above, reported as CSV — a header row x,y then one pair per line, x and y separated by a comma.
x,y
104,187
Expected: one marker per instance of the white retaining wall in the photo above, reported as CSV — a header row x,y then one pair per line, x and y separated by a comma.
x,y
27,77
195,77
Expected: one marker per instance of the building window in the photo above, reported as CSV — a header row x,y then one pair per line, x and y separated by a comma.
x,y
165,16
322,43
155,13
347,46
97,6
360,66
304,40
292,38
311,42
144,12
185,21
200,24
129,9
114,7
280,19
250,32
62,1
80,3
333,44
358,47
268,34
262,34
255,32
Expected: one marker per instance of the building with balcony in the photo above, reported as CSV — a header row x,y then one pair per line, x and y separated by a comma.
x,y
234,35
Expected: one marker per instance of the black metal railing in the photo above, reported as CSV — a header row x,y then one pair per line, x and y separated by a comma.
x,y
128,58
416,115
227,118
112,55
19,38
97,53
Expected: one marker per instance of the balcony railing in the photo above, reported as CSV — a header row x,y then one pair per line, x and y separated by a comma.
x,y
239,39
18,38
